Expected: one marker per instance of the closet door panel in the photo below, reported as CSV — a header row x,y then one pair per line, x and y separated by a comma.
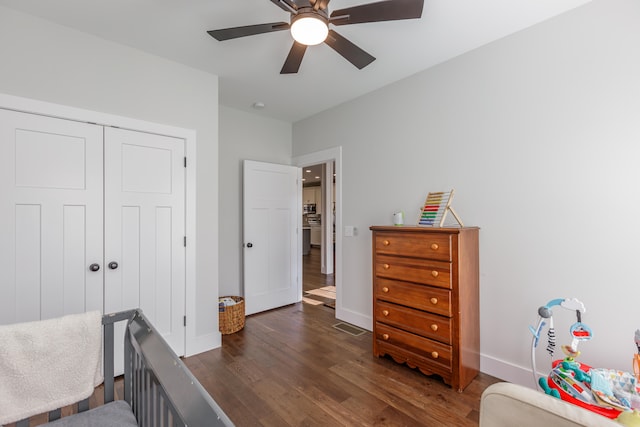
x,y
50,217
129,272
73,259
162,293
145,228
26,283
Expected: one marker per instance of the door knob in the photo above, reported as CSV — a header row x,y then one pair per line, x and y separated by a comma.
x,y
249,245
94,267
113,265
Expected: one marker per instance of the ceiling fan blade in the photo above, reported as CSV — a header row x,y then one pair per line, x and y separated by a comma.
x,y
388,10
249,30
294,59
348,50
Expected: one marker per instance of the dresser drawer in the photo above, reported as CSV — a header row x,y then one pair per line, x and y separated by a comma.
x,y
432,246
415,321
422,297
428,272
433,351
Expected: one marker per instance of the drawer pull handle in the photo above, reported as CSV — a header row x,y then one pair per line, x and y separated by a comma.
x,y
386,266
385,289
434,246
386,243
434,327
385,312
385,337
434,301
434,273
434,354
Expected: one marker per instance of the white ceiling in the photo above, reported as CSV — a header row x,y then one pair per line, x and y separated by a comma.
x,y
249,67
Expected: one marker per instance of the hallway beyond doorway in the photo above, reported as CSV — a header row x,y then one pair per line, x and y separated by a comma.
x,y
313,279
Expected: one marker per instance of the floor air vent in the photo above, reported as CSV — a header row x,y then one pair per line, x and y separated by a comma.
x,y
350,329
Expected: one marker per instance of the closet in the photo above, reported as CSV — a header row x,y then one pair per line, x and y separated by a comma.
x,y
92,217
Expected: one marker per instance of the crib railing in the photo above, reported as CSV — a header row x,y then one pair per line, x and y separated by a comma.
x,y
160,389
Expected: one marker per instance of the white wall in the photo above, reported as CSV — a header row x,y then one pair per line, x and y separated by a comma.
x,y
52,63
242,137
539,135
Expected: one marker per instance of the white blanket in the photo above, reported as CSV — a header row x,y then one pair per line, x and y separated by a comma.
x,y
48,364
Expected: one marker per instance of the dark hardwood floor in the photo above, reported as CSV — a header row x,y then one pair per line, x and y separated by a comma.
x,y
291,367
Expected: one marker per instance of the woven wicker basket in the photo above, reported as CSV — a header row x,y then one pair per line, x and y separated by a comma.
x,y
231,317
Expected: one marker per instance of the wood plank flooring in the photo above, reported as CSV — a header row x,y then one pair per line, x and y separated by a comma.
x,y
291,367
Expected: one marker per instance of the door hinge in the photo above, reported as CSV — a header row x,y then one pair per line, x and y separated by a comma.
x,y
184,320
185,162
184,241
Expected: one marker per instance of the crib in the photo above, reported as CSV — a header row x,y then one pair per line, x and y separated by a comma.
x,y
159,390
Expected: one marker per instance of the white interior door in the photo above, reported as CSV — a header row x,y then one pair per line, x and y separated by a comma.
x,y
50,217
145,229
272,200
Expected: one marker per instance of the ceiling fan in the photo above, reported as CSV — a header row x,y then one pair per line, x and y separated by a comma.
x,y
309,25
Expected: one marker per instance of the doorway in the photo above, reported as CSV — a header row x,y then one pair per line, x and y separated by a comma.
x,y
318,216
322,267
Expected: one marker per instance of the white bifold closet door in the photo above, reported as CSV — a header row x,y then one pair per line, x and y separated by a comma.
x,y
51,214
91,218
145,228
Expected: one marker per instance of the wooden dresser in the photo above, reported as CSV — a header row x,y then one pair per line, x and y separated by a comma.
x,y
425,300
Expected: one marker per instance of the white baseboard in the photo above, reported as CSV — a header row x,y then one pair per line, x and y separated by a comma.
x,y
354,318
202,343
507,371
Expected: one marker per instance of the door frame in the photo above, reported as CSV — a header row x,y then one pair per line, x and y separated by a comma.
x,y
329,155
193,344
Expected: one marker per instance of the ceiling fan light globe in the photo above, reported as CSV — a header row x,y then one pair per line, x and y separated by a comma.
x,y
309,30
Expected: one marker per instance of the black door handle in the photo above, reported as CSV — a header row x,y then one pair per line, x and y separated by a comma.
x,y
249,245
113,265
94,267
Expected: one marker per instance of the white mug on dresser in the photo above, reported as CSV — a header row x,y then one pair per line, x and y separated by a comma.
x,y
398,218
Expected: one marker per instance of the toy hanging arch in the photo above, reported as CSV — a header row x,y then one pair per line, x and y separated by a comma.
x,y
569,380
